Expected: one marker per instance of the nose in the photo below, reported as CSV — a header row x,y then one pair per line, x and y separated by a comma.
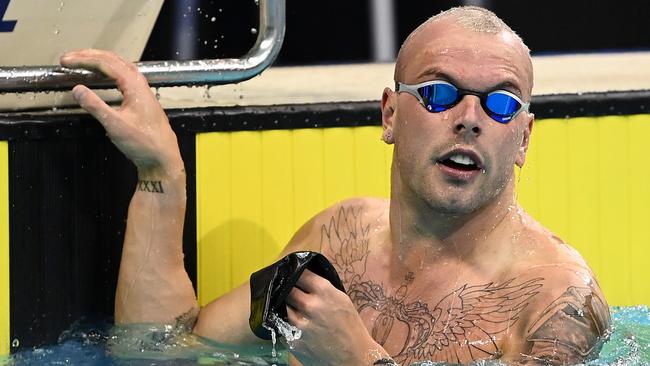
x,y
469,116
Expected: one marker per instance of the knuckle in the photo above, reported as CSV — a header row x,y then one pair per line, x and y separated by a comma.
x,y
320,283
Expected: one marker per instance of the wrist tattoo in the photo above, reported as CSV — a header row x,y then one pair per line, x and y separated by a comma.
x,y
152,186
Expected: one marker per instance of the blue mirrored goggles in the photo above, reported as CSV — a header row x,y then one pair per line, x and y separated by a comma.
x,y
438,95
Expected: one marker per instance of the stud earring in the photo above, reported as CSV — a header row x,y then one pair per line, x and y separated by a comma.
x,y
388,137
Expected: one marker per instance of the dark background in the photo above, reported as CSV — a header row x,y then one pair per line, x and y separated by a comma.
x,y
339,31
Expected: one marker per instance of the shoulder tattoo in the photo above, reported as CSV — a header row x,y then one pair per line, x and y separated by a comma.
x,y
570,330
347,238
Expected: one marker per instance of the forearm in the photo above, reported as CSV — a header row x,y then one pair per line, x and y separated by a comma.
x,y
153,285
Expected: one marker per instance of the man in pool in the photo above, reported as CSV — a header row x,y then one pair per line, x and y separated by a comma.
x,y
450,268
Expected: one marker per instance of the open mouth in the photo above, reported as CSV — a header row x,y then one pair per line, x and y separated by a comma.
x,y
460,161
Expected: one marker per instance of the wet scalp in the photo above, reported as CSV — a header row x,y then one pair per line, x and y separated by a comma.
x,y
472,18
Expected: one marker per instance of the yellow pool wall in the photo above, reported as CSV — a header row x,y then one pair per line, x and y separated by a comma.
x,y
585,179
4,251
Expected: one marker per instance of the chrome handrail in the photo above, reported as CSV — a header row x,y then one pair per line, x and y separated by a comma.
x,y
164,73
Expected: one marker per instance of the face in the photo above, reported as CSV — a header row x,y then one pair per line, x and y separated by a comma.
x,y
432,150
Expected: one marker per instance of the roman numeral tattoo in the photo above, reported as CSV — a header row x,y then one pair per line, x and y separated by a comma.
x,y
152,186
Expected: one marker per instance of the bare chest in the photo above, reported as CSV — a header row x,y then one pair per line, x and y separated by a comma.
x,y
470,321
424,314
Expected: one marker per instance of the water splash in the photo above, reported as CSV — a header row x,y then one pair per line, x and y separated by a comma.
x,y
288,331
274,339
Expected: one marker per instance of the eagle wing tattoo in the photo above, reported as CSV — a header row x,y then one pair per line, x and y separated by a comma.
x,y
460,328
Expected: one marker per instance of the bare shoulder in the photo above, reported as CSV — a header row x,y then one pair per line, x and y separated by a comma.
x,y
349,221
568,319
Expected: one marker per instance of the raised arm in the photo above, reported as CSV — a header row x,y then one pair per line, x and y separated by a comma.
x,y
153,285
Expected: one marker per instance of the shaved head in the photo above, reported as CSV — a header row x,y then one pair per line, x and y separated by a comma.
x,y
472,18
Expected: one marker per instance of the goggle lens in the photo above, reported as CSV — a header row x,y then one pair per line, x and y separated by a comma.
x,y
439,97
501,106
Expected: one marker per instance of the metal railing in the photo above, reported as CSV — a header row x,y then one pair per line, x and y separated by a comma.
x,y
164,73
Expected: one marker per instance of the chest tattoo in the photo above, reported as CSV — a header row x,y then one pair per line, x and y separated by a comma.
x,y
462,326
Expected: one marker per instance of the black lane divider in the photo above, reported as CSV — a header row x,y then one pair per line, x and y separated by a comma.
x,y
345,114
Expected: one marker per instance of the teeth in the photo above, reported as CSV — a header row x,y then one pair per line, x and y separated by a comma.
x,y
461,159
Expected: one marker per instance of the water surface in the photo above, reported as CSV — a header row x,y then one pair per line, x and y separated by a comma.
x,y
87,344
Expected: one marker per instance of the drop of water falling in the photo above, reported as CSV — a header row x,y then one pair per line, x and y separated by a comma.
x,y
213,19
253,30
15,343
273,341
257,2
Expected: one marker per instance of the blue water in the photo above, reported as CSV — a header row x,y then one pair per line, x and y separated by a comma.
x,y
86,345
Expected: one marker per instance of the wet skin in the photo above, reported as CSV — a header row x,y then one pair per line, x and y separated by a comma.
x,y
450,268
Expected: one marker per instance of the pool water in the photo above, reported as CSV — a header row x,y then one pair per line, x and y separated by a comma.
x,y
86,344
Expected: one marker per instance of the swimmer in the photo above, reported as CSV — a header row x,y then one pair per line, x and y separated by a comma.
x,y
450,268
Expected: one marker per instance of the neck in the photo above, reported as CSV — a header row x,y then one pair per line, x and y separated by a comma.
x,y
421,232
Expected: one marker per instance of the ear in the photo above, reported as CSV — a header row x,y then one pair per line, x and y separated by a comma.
x,y
523,148
388,102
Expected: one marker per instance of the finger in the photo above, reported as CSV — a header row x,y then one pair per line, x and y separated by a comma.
x,y
296,318
92,103
299,300
312,283
124,73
